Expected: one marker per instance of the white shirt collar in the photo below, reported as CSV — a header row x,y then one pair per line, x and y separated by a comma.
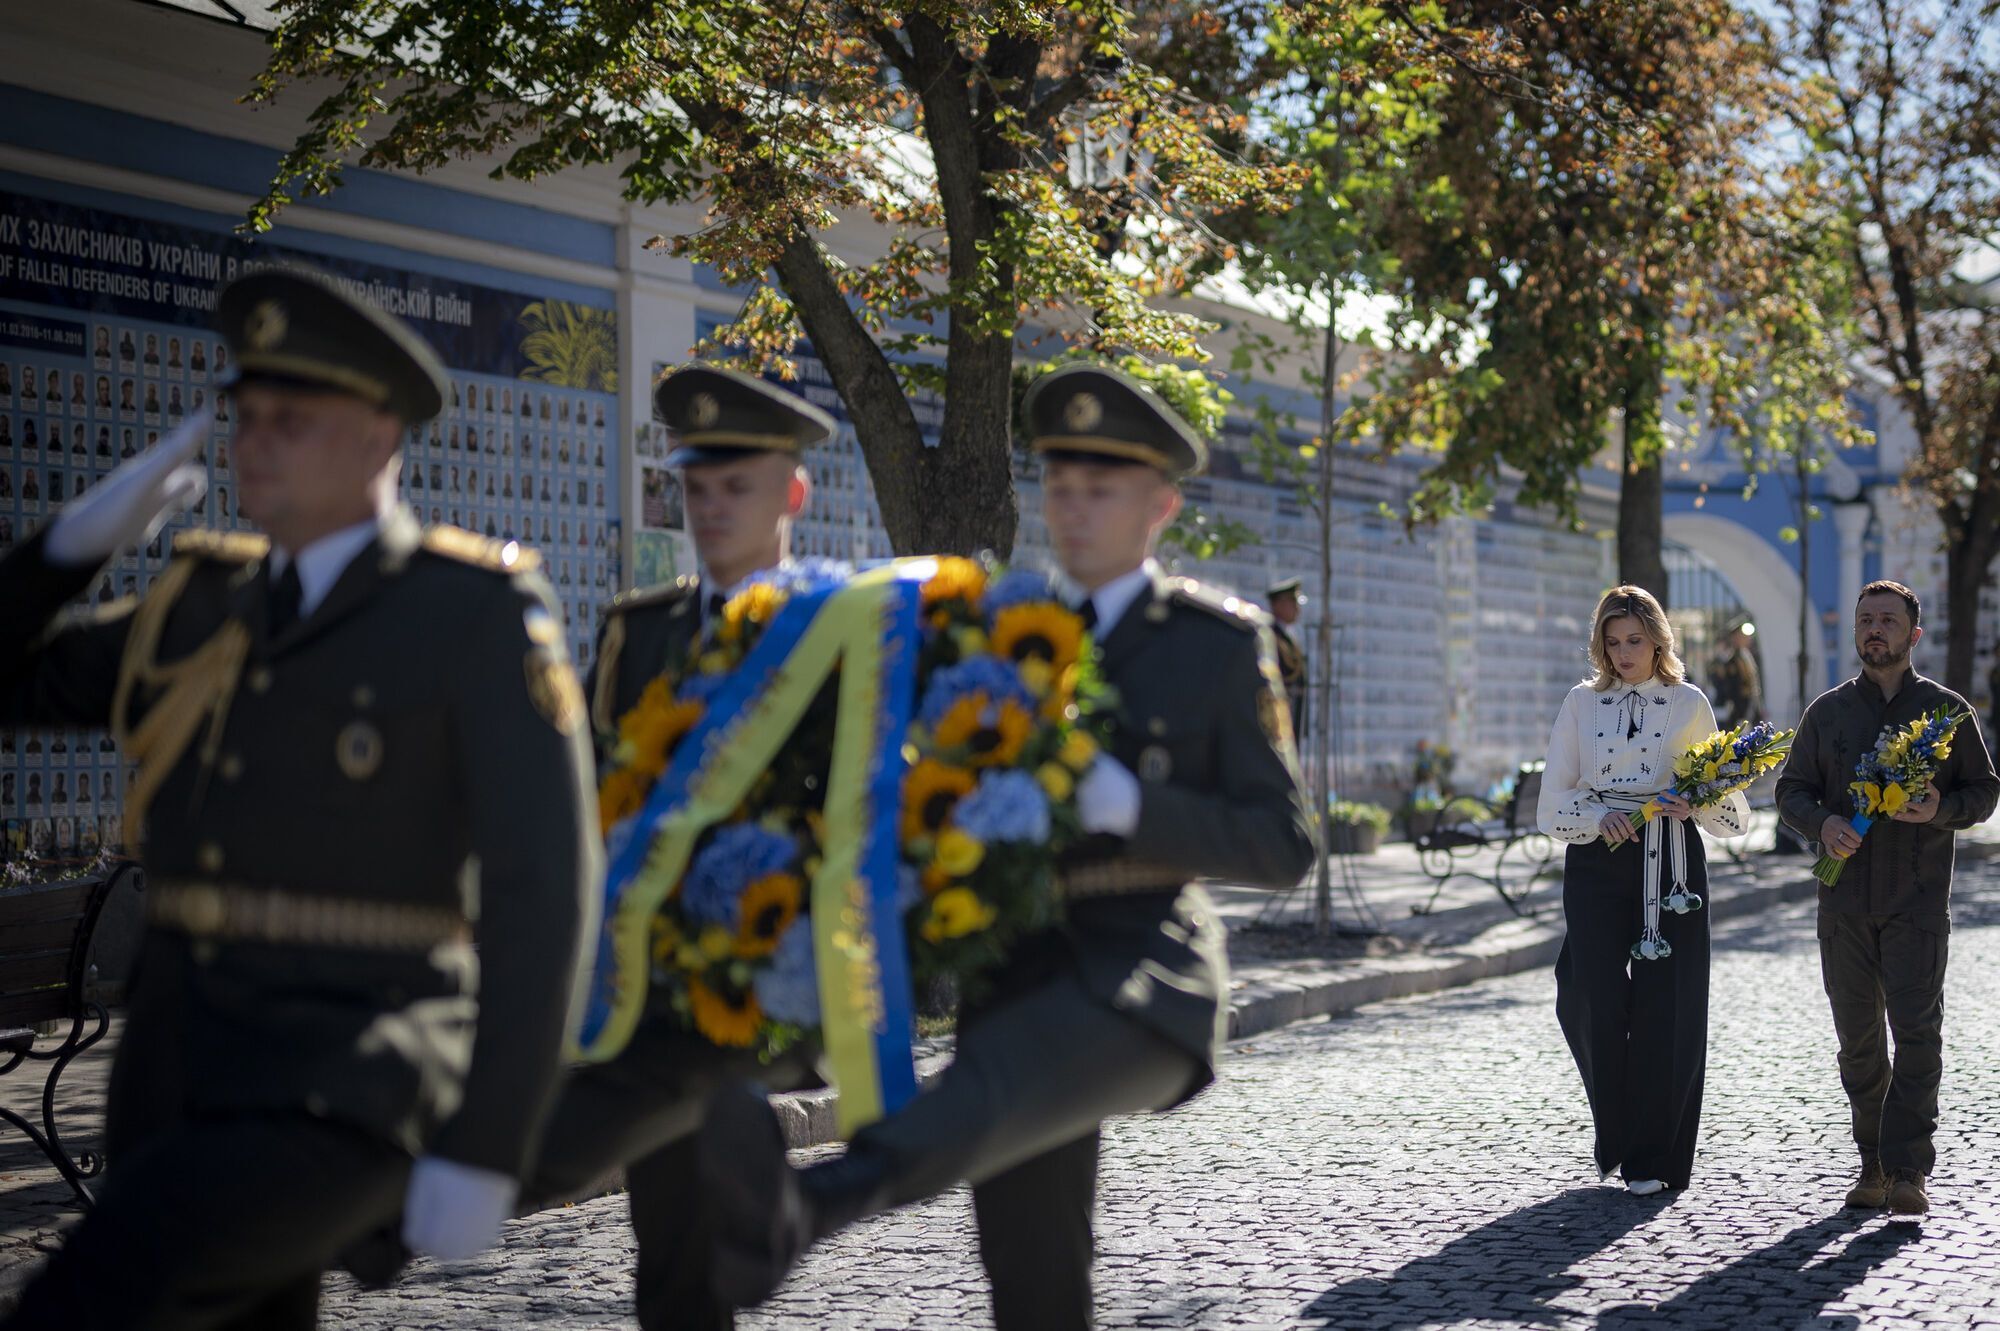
x,y
322,562
1115,597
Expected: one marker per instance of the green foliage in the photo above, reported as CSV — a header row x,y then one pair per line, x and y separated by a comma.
x,y
1353,813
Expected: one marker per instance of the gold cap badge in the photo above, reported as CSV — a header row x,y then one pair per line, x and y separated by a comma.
x,y
266,326
703,410
1083,412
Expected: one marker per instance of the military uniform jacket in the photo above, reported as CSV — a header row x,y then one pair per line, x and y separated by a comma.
x,y
418,739
1201,720
1292,674
646,633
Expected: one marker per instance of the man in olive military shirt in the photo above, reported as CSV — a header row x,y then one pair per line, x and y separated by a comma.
x,y
1123,1008
360,749
1885,927
739,448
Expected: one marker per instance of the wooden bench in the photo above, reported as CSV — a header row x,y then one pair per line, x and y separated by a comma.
x,y
1465,828
45,933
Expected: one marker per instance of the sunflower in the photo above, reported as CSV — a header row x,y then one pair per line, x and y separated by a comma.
x,y
956,579
727,1020
756,604
994,735
622,794
956,912
647,734
769,906
930,790
1038,630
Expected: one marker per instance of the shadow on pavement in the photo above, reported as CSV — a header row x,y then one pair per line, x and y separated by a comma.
x,y
1780,1285
1507,1270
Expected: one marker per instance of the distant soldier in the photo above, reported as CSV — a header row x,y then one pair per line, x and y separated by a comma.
x,y
1733,678
361,750
1286,601
1123,1008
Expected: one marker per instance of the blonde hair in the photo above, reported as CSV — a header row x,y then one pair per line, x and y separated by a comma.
x,y
1640,604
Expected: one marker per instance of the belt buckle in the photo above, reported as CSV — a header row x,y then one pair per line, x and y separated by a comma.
x,y
202,909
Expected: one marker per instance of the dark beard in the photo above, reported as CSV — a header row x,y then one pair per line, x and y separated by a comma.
x,y
1895,658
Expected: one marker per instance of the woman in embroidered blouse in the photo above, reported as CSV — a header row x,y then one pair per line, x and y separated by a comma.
x,y
1632,979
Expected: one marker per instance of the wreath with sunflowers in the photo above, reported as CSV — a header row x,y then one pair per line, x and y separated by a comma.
x,y
1006,704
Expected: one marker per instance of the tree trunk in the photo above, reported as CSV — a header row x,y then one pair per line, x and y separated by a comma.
x,y
965,500
1641,486
1968,561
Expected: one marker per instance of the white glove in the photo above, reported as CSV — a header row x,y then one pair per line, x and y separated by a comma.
x,y
453,1211
130,505
1107,799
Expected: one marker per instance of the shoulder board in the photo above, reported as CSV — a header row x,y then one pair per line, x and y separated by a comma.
x,y
482,551
664,593
233,547
1234,611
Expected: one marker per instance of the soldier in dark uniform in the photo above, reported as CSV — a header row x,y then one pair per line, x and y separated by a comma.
x,y
739,445
1123,1008
361,750
1285,601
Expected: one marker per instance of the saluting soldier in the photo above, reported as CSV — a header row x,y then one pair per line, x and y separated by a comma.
x,y
1124,1007
1285,601
361,751
740,444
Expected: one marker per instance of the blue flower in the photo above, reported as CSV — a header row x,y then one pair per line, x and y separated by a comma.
x,y
997,679
804,575
788,986
698,687
1018,586
1005,806
735,857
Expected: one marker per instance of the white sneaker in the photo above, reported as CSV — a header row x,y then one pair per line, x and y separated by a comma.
x,y
1645,1187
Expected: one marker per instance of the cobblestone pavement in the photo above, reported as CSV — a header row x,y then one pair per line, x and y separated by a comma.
x,y
1421,1163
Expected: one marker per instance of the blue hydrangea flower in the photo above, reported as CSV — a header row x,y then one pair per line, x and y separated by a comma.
x,y
735,857
997,679
804,575
698,687
1018,586
1004,806
788,986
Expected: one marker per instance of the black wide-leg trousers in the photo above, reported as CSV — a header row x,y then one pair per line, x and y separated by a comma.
x,y
1637,1029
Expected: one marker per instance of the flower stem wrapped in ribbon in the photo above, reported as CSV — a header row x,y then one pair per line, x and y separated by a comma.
x,y
1893,773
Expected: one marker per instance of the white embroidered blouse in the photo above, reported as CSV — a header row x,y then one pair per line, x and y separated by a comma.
x,y
1611,750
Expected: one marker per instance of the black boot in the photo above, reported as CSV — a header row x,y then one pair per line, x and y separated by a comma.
x,y
766,1214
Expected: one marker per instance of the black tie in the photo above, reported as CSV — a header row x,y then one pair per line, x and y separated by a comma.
x,y
286,594
1087,612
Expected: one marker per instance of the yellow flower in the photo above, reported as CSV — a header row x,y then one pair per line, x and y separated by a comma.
x,y
930,790
956,912
712,663
730,1022
1056,780
1079,750
958,852
666,940
993,743
622,794
767,909
1039,630
716,942
1038,675
956,579
1894,798
757,604
648,733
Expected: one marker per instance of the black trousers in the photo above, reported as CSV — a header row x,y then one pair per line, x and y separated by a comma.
x,y
1891,967
221,1221
1637,1029
640,1111
1016,1115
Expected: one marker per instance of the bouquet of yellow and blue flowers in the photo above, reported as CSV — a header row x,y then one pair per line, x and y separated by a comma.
x,y
973,779
1891,774
1716,768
